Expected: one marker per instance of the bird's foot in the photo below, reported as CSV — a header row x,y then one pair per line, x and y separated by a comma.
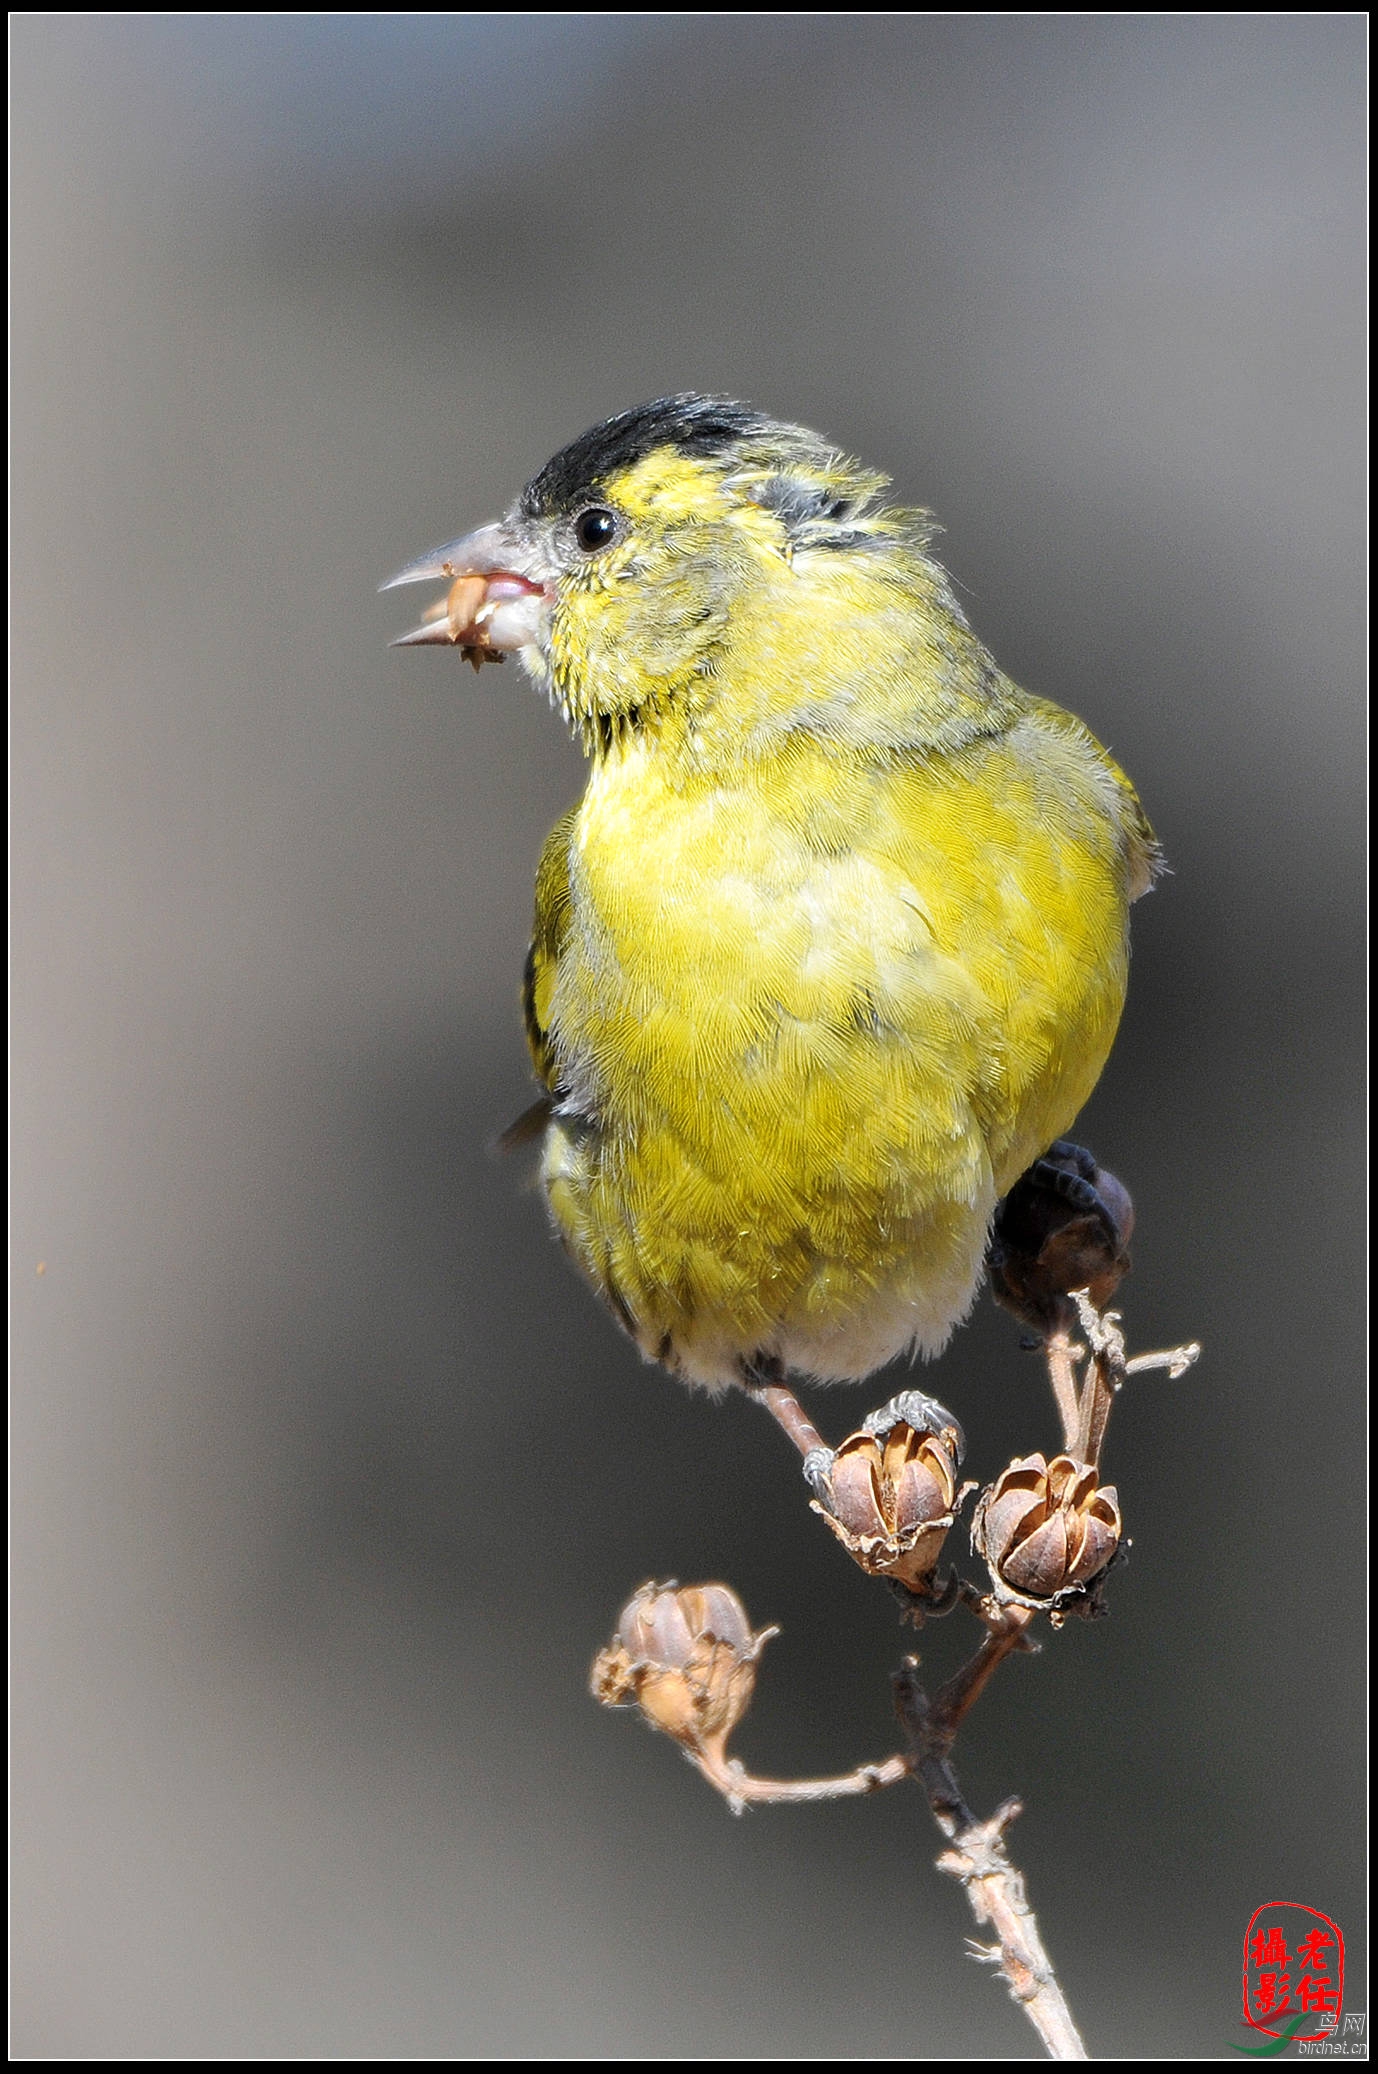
x,y
1064,1226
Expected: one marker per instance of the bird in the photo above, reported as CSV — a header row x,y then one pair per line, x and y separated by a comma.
x,y
833,947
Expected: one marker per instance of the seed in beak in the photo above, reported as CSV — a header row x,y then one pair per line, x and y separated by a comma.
x,y
464,608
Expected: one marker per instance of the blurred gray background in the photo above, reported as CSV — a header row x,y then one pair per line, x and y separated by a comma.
x,y
330,1478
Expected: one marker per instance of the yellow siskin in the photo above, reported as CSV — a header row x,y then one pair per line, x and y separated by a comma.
x,y
834,945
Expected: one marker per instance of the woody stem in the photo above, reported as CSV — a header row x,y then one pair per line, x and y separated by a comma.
x,y
789,1414
1104,1374
1061,1356
978,1859
1096,1399
740,1787
945,1713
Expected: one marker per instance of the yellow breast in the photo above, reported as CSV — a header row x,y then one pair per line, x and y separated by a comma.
x,y
812,1016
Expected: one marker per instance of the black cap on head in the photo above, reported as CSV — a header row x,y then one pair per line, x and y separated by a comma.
x,y
696,425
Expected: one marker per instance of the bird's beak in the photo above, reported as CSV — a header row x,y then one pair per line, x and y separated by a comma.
x,y
498,598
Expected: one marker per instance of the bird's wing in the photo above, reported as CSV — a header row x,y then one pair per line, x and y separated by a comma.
x,y
548,933
1143,851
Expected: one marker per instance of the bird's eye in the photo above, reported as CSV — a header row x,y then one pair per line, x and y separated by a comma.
x,y
595,528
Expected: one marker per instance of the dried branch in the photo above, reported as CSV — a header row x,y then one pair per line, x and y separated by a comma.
x,y
1062,1355
1007,1632
978,1859
789,1414
1048,1530
741,1790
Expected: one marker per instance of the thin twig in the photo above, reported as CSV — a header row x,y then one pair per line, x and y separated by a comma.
x,y
789,1414
1007,1628
978,1859
1062,1356
1097,1396
741,1789
1176,1360
1084,1407
1105,1372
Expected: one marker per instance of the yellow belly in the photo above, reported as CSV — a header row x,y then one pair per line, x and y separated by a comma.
x,y
811,1022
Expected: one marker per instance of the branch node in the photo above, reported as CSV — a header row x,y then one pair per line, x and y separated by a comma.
x,y
983,1954
1176,1360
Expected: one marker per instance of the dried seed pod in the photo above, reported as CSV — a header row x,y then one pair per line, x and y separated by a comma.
x,y
889,1491
1046,1528
687,1657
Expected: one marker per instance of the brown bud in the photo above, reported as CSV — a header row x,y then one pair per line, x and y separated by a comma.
x,y
889,1491
1046,1528
1065,1225
686,1657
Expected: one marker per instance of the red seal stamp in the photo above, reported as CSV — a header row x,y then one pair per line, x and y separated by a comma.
x,y
1294,1972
